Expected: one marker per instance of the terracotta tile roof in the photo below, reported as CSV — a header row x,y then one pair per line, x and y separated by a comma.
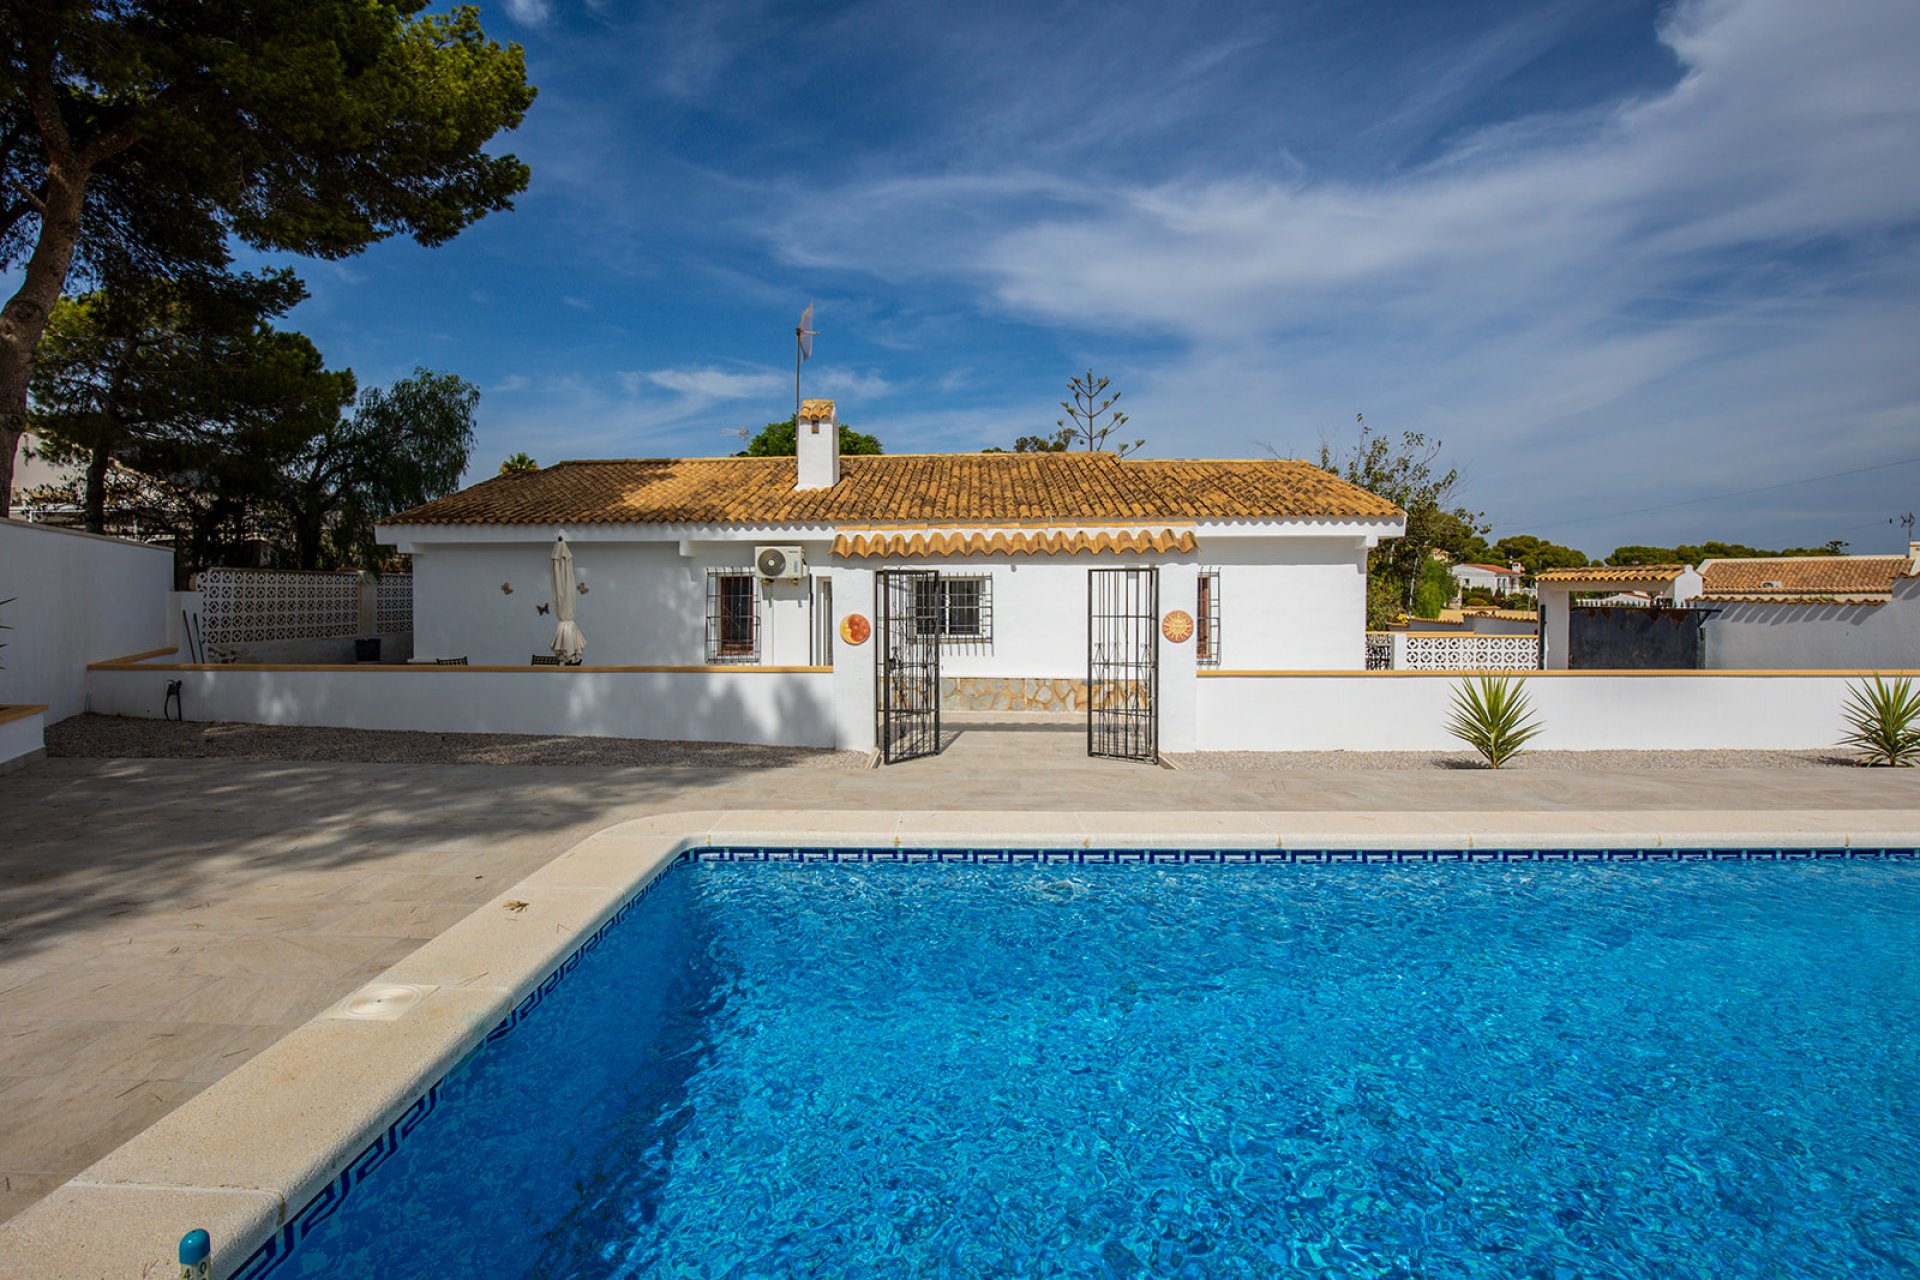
x,y
1051,542
1802,576
1490,568
908,490
1614,573
815,409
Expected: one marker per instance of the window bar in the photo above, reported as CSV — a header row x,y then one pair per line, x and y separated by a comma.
x,y
1207,619
733,616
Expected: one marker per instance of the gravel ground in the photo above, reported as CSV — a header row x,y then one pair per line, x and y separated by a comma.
x,y
113,736
1265,761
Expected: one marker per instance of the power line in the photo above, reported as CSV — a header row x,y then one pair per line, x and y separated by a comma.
x,y
1718,497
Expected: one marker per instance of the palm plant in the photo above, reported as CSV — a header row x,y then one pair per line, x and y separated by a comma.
x,y
1490,715
1883,719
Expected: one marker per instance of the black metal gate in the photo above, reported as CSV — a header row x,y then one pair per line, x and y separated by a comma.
x,y
906,658
1123,663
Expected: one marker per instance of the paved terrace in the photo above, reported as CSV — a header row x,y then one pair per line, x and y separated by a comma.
x,y
161,921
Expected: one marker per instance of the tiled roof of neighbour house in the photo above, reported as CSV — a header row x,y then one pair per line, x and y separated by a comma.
x,y
1614,573
1491,568
1048,542
1804,579
909,490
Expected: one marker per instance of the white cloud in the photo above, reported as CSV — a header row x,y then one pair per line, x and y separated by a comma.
x,y
531,13
1791,122
845,382
710,383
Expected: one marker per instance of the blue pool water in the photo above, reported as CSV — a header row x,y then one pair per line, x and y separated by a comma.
x,y
1554,1071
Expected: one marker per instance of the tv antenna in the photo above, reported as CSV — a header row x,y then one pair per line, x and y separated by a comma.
x,y
803,336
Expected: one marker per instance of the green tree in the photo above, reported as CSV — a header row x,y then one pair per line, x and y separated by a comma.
x,y
1462,540
1636,554
1534,554
1694,553
1091,417
1056,442
142,134
1405,472
218,472
1433,588
149,356
517,463
778,440
402,446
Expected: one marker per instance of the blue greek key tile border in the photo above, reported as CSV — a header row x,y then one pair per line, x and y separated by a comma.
x,y
269,1257
1252,857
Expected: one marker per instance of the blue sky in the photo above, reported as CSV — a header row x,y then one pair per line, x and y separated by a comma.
x,y
1618,255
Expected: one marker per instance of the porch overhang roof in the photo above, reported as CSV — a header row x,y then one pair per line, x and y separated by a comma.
x,y
1033,542
1604,577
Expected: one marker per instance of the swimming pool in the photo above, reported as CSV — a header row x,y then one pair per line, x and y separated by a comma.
x,y
1087,1065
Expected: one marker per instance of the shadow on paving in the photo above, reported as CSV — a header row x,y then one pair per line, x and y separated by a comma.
x,y
91,842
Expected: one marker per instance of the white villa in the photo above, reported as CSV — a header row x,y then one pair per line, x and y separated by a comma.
x,y
1499,579
784,563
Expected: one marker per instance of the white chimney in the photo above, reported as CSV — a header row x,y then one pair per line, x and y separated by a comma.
x,y
817,441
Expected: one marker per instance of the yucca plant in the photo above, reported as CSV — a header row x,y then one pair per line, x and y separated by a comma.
x,y
1884,722
1490,715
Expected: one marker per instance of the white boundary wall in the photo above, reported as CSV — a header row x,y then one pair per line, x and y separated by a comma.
x,y
1817,635
81,598
21,739
781,708
1578,711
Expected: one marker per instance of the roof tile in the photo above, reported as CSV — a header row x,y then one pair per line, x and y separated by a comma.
x,y
1614,573
1801,577
908,489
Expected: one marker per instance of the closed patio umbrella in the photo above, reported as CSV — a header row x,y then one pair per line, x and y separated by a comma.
x,y
568,643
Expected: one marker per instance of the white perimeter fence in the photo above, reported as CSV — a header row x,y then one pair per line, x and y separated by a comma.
x,y
776,707
1358,711
1578,711
77,598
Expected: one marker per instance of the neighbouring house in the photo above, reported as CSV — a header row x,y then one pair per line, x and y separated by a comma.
x,y
1812,612
783,562
1793,613
1499,579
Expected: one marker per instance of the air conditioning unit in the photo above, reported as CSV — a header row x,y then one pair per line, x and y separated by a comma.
x,y
779,562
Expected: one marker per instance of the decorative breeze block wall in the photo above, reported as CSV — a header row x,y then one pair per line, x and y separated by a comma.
x,y
248,606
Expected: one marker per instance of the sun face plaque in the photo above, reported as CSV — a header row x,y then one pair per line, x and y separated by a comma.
x,y
1177,626
854,628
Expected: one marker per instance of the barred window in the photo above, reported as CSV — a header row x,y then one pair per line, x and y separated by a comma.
x,y
956,609
733,616
1206,620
